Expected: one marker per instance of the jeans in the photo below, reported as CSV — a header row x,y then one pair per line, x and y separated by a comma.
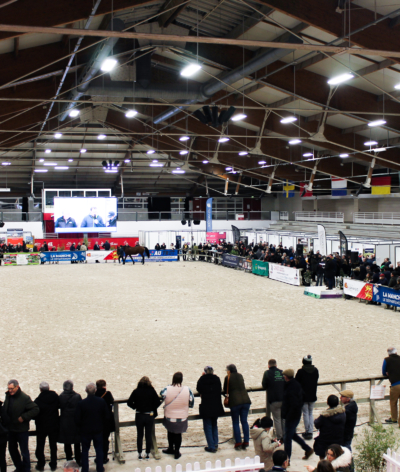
x,y
320,280
210,427
21,439
308,417
331,282
40,442
77,450
275,408
144,424
290,434
240,412
98,446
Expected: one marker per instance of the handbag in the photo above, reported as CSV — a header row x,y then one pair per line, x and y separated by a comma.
x,y
226,399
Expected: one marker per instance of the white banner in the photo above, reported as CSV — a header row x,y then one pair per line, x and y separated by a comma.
x,y
93,256
322,240
357,288
288,275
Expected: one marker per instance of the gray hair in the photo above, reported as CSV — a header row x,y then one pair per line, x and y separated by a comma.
x,y
71,465
68,385
392,350
90,388
208,370
44,386
14,382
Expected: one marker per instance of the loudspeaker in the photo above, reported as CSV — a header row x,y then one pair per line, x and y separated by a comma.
x,y
25,208
1,224
299,249
348,253
354,257
183,222
196,222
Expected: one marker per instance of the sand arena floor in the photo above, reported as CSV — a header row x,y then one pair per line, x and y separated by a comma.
x,y
92,321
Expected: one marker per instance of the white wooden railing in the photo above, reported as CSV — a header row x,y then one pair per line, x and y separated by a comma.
x,y
284,215
240,465
319,216
392,461
377,218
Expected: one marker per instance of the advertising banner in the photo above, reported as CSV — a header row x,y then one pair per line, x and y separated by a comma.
x,y
357,289
209,215
236,234
21,258
101,256
322,240
386,295
167,255
230,261
260,268
343,244
245,264
214,237
288,275
63,256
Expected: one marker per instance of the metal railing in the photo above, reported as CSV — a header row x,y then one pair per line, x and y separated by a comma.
x,y
15,216
319,216
124,215
377,218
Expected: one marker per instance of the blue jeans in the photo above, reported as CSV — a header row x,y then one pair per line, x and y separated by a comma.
x,y
308,417
320,280
240,412
290,434
98,446
21,439
210,427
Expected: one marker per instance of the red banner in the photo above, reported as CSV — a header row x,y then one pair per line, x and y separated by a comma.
x,y
65,243
215,237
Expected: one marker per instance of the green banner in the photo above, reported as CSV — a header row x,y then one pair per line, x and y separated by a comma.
x,y
260,268
21,258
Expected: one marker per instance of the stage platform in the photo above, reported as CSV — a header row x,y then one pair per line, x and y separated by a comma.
x,y
323,292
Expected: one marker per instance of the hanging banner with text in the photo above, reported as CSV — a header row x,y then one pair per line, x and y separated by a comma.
x,y
357,289
288,275
209,215
21,258
386,295
260,268
322,240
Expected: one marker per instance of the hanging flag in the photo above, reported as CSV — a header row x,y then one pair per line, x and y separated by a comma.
x,y
339,187
322,239
302,186
380,185
289,188
343,244
209,204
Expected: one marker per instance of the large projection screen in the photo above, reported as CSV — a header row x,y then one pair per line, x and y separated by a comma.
x,y
85,215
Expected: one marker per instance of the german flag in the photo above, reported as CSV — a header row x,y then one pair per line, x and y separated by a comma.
x,y
380,185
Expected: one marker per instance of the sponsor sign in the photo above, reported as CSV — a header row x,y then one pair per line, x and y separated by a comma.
x,y
288,275
357,289
209,204
214,238
63,256
155,256
245,264
24,258
101,256
386,295
260,268
229,260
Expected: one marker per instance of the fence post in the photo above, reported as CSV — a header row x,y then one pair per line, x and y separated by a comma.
x,y
118,454
371,403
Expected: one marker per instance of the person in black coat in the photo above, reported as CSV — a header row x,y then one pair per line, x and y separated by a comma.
x,y
291,412
47,425
347,398
308,377
145,401
96,246
3,443
273,382
69,432
210,390
330,424
106,246
157,247
330,272
92,416
102,392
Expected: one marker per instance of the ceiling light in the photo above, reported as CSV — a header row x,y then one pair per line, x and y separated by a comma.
x,y
397,86
70,160
183,153
154,160
379,149
343,156
239,117
41,170
82,151
127,161
289,119
47,151
6,163
308,154
156,164
228,168
131,113
73,113
377,123
61,168
41,160
108,64
295,141
189,70
223,140
184,138
58,135
243,153
101,137
111,171
370,143
205,162
178,170
151,151
340,79
262,162
50,164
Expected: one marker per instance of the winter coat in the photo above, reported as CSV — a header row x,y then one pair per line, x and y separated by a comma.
x,y
22,406
92,415
330,269
47,420
343,462
210,390
237,391
292,402
308,377
273,382
331,424
144,400
109,399
69,431
263,445
351,420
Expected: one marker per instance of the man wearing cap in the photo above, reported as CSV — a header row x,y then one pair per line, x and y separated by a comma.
x,y
292,405
308,377
274,383
112,219
391,369
347,398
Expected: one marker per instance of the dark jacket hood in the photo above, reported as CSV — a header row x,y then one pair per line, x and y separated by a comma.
x,y
309,368
334,413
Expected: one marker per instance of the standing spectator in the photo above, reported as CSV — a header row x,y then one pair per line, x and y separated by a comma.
x,y
157,247
3,442
210,390
330,424
83,246
320,274
273,383
47,425
178,400
264,445
102,392
96,246
291,412
391,369
184,251
91,416
69,433
308,377
163,246
18,410
145,401
330,272
239,403
106,246
347,398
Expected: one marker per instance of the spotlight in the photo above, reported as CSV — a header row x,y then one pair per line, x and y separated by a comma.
x,y
131,113
108,64
190,70
101,137
58,135
74,113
